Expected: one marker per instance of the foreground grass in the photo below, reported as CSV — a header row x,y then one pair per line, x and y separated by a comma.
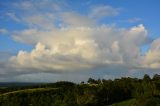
x,y
131,102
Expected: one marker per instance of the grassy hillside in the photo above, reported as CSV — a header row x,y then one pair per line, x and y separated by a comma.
x,y
27,91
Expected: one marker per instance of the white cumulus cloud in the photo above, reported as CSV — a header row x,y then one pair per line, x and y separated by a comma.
x,y
77,48
152,57
65,40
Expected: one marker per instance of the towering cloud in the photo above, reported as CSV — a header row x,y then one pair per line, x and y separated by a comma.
x,y
78,48
71,40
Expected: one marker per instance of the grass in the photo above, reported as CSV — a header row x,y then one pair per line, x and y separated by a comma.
x,y
29,91
131,102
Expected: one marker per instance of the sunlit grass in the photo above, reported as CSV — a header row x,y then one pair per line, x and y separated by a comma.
x,y
29,91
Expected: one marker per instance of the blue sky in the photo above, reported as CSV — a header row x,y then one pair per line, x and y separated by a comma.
x,y
85,38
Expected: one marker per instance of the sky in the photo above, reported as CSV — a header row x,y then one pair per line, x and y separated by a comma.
x,y
73,40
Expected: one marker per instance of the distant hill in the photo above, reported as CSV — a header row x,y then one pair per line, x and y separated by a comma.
x,y
19,84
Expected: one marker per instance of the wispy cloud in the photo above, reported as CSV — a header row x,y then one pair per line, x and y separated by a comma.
x,y
3,31
133,20
13,16
104,11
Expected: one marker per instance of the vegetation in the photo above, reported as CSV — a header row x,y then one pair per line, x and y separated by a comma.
x,y
101,92
131,102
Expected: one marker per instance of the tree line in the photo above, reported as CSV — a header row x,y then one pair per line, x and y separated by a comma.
x,y
100,92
